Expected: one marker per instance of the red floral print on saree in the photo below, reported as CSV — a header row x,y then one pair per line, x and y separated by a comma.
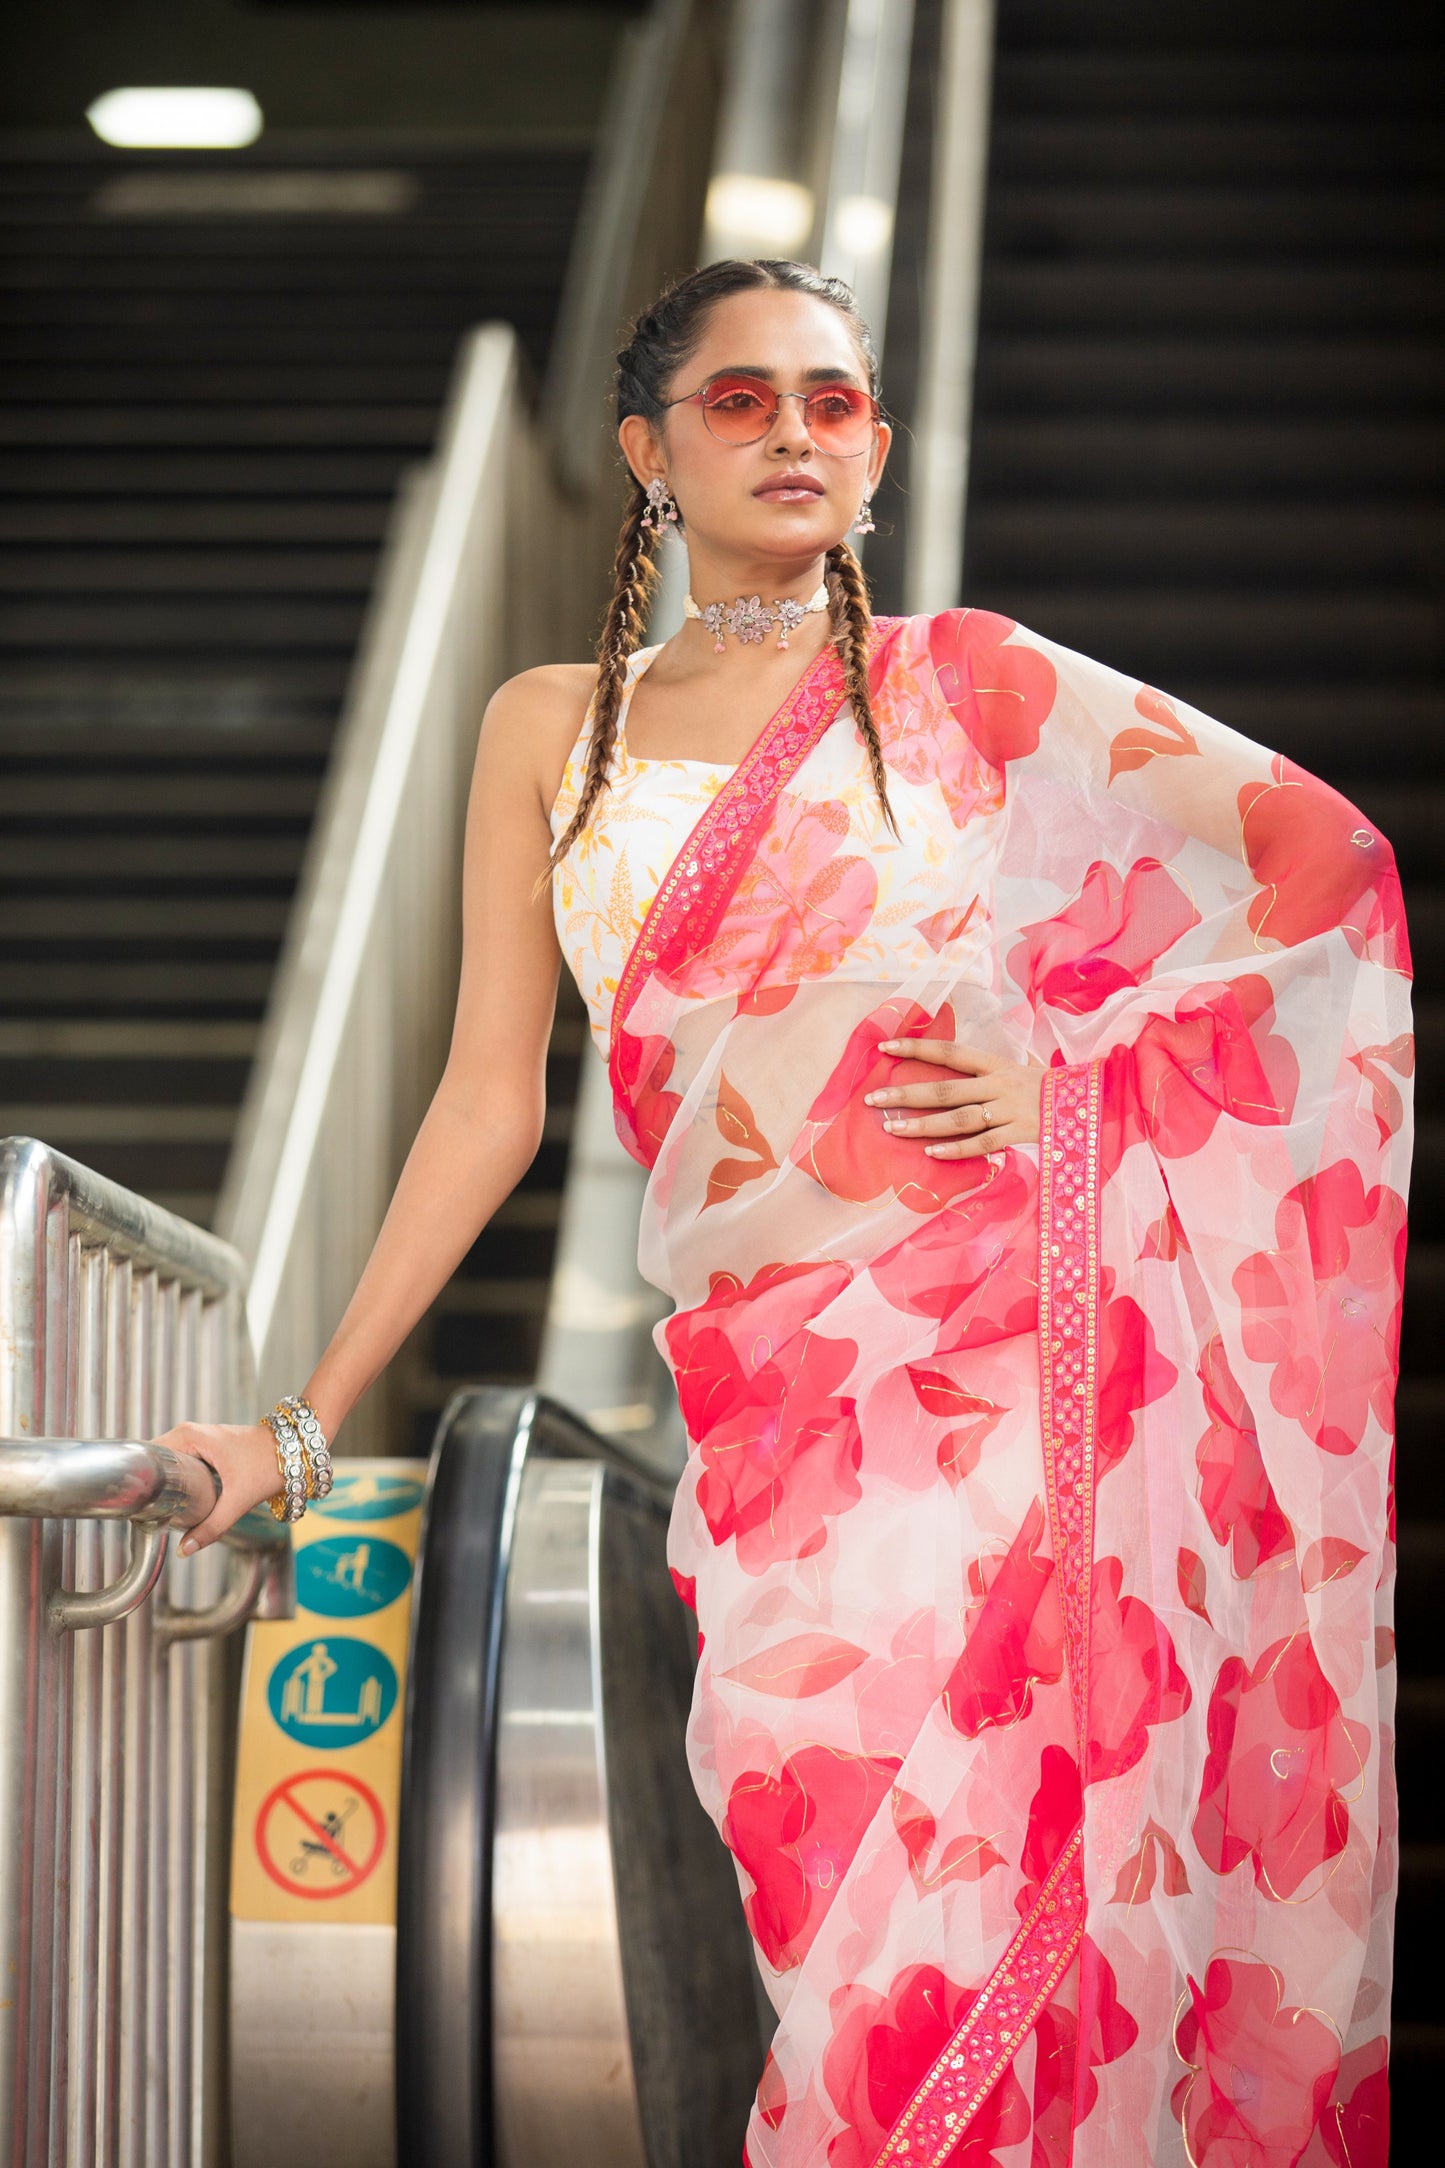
x,y
1032,1504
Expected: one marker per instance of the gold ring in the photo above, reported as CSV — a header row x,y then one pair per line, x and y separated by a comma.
x,y
987,1117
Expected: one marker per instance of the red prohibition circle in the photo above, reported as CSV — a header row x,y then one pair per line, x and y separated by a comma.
x,y
358,1870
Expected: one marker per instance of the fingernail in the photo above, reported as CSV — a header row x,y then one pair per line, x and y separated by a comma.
x,y
870,1099
187,1546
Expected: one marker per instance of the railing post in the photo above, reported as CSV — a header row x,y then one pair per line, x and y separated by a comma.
x,y
114,1317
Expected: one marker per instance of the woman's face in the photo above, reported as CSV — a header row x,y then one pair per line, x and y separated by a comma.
x,y
729,494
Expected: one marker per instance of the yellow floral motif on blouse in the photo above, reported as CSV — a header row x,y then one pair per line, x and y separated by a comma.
x,y
604,888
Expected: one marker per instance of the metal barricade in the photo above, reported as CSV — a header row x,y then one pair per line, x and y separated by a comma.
x,y
117,1319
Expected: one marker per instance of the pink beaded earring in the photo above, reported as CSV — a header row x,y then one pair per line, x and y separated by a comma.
x,y
660,507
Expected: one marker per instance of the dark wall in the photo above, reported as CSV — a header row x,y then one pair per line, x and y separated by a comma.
x,y
461,67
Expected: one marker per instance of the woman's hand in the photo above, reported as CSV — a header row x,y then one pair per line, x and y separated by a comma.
x,y
991,1103
243,1456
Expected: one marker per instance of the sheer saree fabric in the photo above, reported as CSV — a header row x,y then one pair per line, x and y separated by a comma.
x,y
1038,1508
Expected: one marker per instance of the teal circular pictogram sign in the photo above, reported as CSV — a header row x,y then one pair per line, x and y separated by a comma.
x,y
349,1576
331,1691
369,1497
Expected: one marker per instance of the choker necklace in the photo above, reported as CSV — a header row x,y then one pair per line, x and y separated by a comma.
x,y
749,617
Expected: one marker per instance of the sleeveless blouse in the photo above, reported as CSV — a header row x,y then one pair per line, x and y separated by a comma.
x,y
604,888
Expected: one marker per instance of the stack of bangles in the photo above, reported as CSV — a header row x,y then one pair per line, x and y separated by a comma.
x,y
302,1455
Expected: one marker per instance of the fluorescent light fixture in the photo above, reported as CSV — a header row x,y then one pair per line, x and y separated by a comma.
x,y
777,213
176,120
864,225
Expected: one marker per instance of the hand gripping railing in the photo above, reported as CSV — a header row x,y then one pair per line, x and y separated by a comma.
x,y
115,1479
117,1320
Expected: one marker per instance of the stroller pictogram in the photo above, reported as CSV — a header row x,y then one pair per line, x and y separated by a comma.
x,y
316,1853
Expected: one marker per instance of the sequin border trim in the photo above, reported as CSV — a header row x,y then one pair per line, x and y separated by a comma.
x,y
1068,1347
995,2028
706,870
1020,1986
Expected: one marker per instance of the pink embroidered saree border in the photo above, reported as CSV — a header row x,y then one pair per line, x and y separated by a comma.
x,y
707,867
1021,1984
1000,2020
1068,1347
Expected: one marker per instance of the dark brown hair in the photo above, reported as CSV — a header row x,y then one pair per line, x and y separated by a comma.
x,y
659,341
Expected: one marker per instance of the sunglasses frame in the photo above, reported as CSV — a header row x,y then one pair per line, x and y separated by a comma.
x,y
699,397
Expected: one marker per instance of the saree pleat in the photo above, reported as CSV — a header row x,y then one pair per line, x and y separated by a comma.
x,y
1038,1508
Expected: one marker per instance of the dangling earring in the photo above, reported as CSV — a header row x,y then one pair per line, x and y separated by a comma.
x,y
863,523
660,506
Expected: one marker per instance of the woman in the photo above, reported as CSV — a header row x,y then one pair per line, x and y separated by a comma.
x,y
1022,1063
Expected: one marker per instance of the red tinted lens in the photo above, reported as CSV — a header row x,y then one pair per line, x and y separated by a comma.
x,y
839,418
739,409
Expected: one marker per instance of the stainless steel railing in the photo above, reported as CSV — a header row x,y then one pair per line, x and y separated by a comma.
x,y
116,1319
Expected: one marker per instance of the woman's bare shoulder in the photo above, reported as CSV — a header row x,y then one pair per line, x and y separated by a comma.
x,y
548,696
534,718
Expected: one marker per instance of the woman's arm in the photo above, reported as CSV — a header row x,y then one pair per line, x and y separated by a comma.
x,y
484,1123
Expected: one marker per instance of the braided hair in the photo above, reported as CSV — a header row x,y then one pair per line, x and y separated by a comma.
x,y
659,341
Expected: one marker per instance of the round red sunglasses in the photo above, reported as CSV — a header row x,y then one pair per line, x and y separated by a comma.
x,y
742,409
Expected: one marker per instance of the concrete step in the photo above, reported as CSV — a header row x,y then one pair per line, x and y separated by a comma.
x,y
1320,461
1335,25
1422,1345
1420,1926
1157,633
226,472
89,991
1307,82
1248,374
1114,295
161,626
44,863
177,424
1420,1448
203,796
1189,148
1207,221
1161,542
107,523
330,381
137,692
160,573
100,924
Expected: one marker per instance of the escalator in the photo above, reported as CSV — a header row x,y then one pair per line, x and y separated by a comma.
x,y
569,1975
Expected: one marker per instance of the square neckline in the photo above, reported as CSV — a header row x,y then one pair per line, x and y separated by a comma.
x,y
638,663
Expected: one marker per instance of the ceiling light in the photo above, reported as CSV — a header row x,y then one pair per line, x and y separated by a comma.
x,y
176,120
864,225
776,213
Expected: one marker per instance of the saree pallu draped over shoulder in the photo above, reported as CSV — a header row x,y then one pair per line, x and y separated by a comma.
x,y
1038,1509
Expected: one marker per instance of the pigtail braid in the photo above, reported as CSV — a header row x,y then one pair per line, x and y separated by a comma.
x,y
852,620
634,582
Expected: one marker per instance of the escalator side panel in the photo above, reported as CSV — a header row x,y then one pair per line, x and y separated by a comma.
x,y
562,2056
444,1896
686,1954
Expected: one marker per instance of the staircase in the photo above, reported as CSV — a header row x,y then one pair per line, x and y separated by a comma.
x,y
1207,449
213,373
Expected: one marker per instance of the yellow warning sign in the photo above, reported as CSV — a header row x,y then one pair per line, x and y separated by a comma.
x,y
319,1834
318,1773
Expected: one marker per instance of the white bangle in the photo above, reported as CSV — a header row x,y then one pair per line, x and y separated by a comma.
x,y
289,1503
305,1419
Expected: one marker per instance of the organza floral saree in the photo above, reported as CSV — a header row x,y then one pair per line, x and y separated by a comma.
x,y
1038,1507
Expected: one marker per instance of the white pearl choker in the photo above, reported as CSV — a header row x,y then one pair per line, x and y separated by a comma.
x,y
749,617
